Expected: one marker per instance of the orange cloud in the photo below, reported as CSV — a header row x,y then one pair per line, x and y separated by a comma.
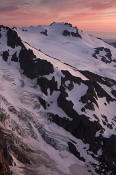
x,y
87,14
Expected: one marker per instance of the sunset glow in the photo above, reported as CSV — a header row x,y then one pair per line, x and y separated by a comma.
x,y
89,15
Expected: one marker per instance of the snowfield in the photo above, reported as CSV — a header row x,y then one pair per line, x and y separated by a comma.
x,y
74,51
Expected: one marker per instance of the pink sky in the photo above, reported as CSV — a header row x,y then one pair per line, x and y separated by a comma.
x,y
89,15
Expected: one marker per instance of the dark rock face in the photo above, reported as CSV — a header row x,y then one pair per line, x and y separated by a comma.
x,y
4,27
73,34
108,158
90,98
68,76
24,30
74,151
14,57
109,152
67,106
45,32
43,67
26,62
13,39
107,58
94,91
43,102
46,84
68,24
66,33
32,66
5,55
97,78
102,93
81,128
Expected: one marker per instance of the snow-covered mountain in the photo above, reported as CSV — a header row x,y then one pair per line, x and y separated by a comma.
x,y
81,50
57,101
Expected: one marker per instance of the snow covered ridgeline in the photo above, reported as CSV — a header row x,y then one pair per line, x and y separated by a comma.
x,y
104,54
81,102
59,28
75,51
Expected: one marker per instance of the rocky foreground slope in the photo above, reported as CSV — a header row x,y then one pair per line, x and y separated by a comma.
x,y
55,118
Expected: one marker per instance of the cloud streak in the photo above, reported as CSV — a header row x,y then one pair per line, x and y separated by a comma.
x,y
87,14
8,8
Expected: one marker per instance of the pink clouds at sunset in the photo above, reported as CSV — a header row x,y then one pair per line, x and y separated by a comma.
x,y
89,15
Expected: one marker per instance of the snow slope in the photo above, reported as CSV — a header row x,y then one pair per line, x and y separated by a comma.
x,y
74,51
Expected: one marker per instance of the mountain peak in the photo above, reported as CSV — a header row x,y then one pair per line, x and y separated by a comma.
x,y
61,24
